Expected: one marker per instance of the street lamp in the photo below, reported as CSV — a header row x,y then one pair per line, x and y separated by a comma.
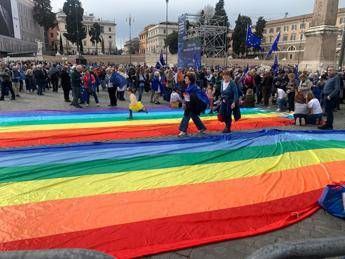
x,y
166,32
130,19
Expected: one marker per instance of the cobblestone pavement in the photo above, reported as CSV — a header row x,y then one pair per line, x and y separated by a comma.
x,y
318,226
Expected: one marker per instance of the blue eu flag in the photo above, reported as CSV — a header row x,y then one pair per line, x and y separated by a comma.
x,y
253,41
161,59
274,46
275,66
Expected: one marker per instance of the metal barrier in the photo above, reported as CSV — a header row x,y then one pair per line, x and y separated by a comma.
x,y
55,254
313,248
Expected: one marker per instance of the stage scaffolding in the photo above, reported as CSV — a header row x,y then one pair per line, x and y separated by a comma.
x,y
210,33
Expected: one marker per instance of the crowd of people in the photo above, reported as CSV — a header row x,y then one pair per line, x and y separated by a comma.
x,y
308,96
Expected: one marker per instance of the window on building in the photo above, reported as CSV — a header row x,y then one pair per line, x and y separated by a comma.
x,y
102,29
301,37
271,39
302,26
341,20
84,42
51,35
293,37
278,29
109,29
294,27
93,44
271,30
265,31
286,28
285,37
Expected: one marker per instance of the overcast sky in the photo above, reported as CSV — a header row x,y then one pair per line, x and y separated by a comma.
x,y
153,11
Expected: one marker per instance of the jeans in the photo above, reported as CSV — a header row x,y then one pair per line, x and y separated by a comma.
x,y
66,90
112,96
93,93
40,89
291,99
196,119
281,104
329,107
312,118
141,91
4,90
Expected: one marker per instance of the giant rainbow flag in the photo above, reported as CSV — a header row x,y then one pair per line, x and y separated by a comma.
x,y
140,198
35,128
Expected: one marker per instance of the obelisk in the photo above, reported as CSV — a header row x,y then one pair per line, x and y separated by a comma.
x,y
321,37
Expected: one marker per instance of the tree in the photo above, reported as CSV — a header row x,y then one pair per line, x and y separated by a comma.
x,y
76,31
61,45
95,35
260,26
240,33
134,46
220,14
44,16
172,42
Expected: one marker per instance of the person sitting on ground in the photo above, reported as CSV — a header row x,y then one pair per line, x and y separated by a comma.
x,y
134,105
175,99
315,111
249,99
300,108
281,99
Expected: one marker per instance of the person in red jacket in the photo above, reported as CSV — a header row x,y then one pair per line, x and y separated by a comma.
x,y
90,87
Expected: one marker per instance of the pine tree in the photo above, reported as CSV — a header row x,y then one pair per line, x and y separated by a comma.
x,y
172,42
240,33
76,31
44,16
260,26
220,14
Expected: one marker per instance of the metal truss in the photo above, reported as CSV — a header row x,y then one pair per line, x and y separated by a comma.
x,y
210,32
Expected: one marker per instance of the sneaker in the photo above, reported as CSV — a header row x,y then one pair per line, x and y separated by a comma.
x,y
98,105
130,118
278,110
182,134
87,105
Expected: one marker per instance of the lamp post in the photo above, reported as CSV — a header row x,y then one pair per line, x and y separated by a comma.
x,y
130,20
166,31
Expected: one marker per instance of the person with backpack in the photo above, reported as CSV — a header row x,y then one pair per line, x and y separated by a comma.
x,y
196,102
229,98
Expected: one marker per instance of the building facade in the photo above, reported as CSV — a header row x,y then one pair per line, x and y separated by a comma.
x,y
156,36
108,35
292,39
134,44
143,36
19,32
